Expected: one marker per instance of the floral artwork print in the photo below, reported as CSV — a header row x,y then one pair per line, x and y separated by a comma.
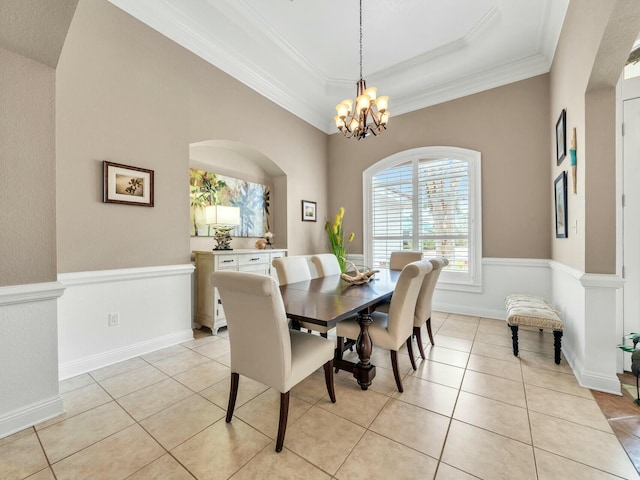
x,y
208,188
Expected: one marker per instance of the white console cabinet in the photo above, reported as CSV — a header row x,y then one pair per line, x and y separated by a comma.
x,y
208,307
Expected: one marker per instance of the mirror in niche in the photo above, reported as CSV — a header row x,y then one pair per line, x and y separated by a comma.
x,y
209,188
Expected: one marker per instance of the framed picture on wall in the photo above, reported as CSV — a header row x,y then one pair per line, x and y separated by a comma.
x,y
308,211
560,188
561,137
127,185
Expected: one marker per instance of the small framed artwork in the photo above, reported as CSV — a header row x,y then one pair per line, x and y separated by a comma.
x,y
127,185
560,187
561,137
308,211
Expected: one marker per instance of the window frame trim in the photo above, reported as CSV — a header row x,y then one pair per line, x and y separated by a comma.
x,y
473,280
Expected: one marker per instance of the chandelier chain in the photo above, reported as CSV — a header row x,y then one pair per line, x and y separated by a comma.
x,y
360,38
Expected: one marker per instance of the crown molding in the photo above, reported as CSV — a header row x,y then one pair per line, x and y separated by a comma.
x,y
280,73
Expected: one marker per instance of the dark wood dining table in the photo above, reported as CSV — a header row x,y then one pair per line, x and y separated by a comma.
x,y
328,300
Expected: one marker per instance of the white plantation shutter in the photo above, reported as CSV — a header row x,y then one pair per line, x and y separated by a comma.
x,y
426,200
392,200
443,204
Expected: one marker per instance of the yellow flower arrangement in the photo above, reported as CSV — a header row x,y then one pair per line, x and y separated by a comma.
x,y
336,239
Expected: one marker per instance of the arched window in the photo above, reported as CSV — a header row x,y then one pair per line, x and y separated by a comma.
x,y
427,199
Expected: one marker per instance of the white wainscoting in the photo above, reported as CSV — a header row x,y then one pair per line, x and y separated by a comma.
x,y
588,306
153,305
500,277
28,356
155,311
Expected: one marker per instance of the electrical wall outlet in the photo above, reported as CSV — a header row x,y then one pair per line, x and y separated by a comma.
x,y
114,319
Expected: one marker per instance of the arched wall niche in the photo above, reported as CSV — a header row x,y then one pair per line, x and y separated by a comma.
x,y
242,161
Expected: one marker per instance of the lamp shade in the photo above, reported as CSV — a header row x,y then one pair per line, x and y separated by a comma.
x,y
222,215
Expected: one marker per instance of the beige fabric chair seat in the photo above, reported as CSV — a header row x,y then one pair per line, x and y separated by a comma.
x,y
533,311
308,353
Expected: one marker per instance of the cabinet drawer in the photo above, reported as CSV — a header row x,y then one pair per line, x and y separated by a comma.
x,y
277,255
226,261
253,259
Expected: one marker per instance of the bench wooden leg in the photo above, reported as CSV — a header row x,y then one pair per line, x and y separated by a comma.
x,y
557,343
514,339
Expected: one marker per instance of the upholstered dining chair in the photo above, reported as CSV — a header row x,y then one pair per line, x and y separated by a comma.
x,y
291,269
326,264
390,330
424,302
263,347
294,269
398,259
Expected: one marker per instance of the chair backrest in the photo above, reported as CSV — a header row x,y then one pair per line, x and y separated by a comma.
x,y
403,301
257,324
326,264
291,269
425,297
400,259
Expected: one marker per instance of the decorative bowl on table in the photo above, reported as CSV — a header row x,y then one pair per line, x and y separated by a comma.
x,y
356,277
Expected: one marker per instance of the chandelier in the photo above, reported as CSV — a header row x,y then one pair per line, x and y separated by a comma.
x,y
370,115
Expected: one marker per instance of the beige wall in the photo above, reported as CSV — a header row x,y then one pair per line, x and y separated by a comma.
x,y
507,125
27,171
593,46
128,95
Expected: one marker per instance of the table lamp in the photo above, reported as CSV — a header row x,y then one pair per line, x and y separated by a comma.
x,y
223,219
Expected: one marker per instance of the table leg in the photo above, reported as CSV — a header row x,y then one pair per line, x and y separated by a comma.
x,y
364,371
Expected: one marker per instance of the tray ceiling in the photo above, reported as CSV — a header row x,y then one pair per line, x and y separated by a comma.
x,y
304,54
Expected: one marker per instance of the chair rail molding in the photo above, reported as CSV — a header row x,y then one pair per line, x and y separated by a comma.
x,y
32,292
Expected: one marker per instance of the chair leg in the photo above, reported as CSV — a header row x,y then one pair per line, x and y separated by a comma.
x,y
339,349
429,331
396,373
328,378
282,425
514,339
410,348
557,345
418,334
233,394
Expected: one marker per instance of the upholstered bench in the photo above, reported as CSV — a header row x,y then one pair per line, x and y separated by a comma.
x,y
531,311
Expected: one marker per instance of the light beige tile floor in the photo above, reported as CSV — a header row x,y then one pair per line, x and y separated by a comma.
x,y
470,410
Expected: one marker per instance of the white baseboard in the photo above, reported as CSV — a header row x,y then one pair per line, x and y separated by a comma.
x,y
103,359
19,419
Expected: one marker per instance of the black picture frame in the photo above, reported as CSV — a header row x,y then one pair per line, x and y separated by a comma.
x,y
309,211
561,137
560,194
